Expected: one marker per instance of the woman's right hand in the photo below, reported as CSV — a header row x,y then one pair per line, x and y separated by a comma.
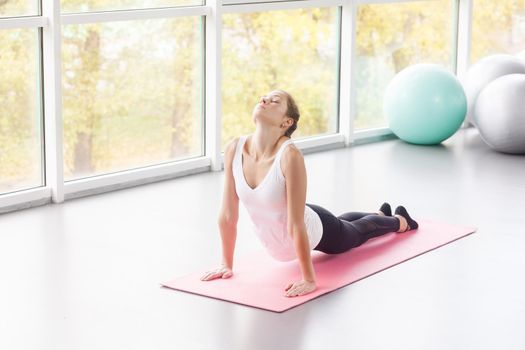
x,y
221,272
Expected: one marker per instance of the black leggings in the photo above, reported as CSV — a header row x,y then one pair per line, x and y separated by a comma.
x,y
350,230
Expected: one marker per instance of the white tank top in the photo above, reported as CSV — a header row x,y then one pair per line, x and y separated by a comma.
x,y
266,205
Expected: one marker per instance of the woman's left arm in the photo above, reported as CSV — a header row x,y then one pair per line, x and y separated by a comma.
x,y
295,174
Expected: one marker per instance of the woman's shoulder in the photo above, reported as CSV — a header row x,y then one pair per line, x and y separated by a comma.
x,y
229,149
232,144
291,148
291,155
292,162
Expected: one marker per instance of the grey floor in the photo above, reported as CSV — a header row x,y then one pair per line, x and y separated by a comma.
x,y
85,274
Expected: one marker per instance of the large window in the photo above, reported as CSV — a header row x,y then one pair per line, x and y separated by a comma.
x,y
132,94
21,161
497,27
293,50
134,85
393,36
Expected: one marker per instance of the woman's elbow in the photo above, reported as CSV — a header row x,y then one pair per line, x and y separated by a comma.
x,y
296,229
227,220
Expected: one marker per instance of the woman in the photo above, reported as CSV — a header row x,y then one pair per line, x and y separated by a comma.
x,y
270,179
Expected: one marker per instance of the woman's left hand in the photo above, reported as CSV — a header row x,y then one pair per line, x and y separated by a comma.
x,y
299,288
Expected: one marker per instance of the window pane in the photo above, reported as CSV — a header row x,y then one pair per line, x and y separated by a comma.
x,y
20,110
293,50
391,37
87,6
18,8
131,94
497,27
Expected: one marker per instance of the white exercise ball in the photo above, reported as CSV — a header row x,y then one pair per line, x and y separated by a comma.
x,y
485,71
500,114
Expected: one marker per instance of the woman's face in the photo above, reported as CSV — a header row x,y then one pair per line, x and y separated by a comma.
x,y
271,108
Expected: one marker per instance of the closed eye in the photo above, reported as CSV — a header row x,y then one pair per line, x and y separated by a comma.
x,y
261,99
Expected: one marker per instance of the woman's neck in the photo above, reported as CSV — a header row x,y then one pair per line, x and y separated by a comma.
x,y
263,144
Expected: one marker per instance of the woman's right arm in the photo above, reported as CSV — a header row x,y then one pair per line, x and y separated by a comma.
x,y
229,212
228,217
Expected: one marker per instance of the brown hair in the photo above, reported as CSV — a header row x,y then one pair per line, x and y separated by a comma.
x,y
292,111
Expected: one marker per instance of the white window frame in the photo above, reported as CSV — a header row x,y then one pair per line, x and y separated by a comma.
x,y
51,22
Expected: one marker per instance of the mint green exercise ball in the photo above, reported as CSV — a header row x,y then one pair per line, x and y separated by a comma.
x,y
424,104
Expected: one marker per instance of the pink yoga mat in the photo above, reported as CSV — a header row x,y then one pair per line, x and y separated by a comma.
x,y
259,281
